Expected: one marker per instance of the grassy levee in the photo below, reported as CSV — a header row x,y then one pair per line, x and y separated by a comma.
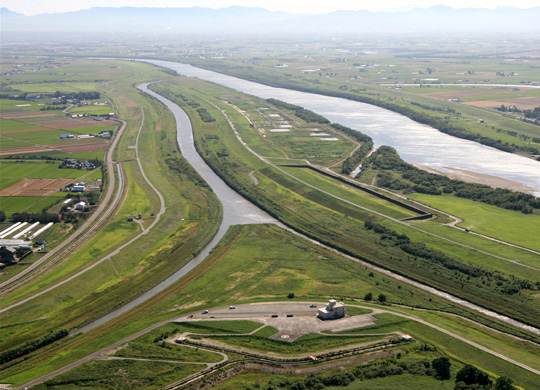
x,y
310,343
191,218
341,226
261,263
383,97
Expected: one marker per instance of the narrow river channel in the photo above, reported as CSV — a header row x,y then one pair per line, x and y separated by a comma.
x,y
237,210
416,143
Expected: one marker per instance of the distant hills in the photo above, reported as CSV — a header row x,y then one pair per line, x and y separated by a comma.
x,y
245,20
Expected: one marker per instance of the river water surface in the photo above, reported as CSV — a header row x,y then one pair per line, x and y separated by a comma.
x,y
416,143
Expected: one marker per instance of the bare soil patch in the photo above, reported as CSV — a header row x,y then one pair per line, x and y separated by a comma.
x,y
445,95
25,149
21,131
35,187
25,114
83,146
523,103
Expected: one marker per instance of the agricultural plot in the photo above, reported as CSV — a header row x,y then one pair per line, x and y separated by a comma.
x,y
8,144
7,126
35,187
71,87
12,104
27,149
15,204
38,171
45,203
25,114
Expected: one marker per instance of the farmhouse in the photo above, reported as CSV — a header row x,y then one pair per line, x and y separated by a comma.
x,y
80,206
332,311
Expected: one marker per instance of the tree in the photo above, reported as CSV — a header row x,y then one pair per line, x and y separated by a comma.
x,y
442,367
368,297
382,298
471,375
504,383
290,296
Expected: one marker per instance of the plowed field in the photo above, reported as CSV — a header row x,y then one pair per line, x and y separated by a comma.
x,y
35,187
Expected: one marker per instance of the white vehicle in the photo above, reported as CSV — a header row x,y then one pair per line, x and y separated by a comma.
x,y
232,307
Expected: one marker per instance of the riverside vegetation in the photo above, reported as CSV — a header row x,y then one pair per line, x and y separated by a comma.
x,y
344,228
250,263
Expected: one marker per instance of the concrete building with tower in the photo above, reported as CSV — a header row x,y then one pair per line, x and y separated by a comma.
x,y
332,311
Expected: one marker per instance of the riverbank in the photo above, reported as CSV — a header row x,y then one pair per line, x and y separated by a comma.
x,y
482,178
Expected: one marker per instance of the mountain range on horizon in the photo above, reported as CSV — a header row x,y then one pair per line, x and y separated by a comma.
x,y
248,20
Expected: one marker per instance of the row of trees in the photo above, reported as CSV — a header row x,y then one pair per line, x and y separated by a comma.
x,y
35,217
501,283
300,112
353,161
407,178
31,346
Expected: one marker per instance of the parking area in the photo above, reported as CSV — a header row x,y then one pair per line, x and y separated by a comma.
x,y
291,319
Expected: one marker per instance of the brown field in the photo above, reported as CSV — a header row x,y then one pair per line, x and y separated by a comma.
x,y
69,123
466,93
35,187
25,149
20,131
82,146
523,103
71,146
24,114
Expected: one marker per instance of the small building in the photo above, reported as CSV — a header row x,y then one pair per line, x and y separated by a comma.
x,y
66,136
406,337
7,253
130,219
78,188
332,311
80,206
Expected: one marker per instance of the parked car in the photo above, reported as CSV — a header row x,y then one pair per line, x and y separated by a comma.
x,y
232,307
205,312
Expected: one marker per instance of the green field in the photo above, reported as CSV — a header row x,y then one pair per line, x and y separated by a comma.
x,y
14,204
122,374
38,171
350,193
18,105
5,183
38,137
520,229
11,125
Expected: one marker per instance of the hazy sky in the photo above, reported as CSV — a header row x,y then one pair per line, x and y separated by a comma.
x,y
33,7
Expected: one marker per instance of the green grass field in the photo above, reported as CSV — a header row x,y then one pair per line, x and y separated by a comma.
x,y
18,105
122,374
520,229
350,193
11,125
38,171
14,204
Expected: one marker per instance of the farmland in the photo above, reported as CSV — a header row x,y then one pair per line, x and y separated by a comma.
x,y
259,263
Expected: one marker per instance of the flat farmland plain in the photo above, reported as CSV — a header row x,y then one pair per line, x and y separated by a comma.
x,y
35,187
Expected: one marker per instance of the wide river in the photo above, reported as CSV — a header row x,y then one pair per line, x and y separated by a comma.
x,y
416,143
